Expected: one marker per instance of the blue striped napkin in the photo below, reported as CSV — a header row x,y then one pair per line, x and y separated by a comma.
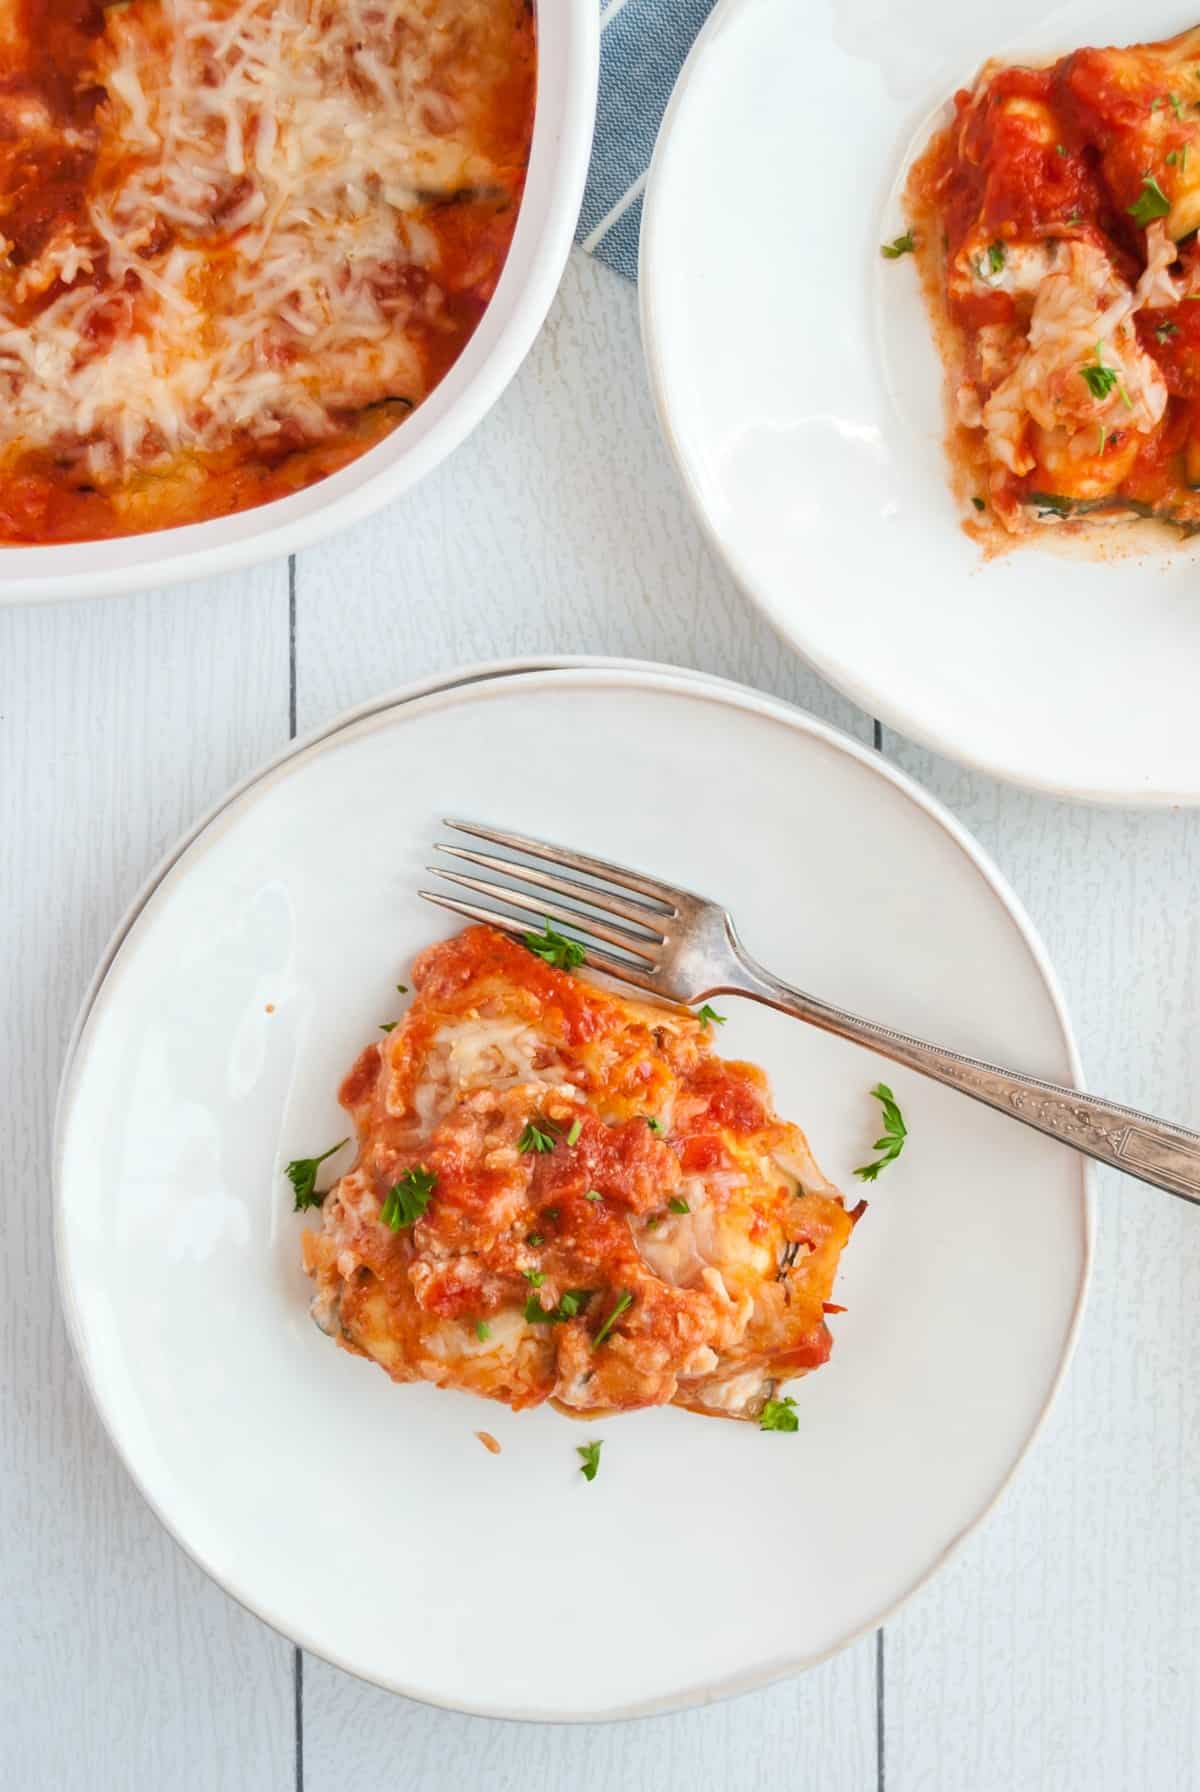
x,y
642,47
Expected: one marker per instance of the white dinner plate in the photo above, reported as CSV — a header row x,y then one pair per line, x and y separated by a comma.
x,y
364,1519
798,385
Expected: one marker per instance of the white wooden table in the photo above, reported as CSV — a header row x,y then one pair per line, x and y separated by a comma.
x,y
1060,1651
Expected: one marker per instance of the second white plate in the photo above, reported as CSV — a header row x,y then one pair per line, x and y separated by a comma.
x,y
364,1519
798,385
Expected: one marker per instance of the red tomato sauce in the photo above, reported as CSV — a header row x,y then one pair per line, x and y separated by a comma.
x,y
49,164
1064,153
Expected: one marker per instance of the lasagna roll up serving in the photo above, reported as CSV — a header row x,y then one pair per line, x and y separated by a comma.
x,y
1055,220
562,1194
239,240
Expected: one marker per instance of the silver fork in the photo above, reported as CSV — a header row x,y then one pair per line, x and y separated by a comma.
x,y
684,948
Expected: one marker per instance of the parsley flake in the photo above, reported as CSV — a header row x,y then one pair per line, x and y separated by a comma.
x,y
997,256
903,245
1098,378
302,1174
1176,105
591,1458
534,1238
653,1123
576,1129
779,1415
1150,203
535,1277
894,1134
538,1138
555,948
483,1330
706,1016
979,503
1166,329
625,1301
677,1204
408,1198
387,1025
1059,149
570,1305
593,1194
402,989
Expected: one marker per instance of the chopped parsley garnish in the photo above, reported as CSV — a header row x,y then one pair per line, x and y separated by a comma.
x,y
979,503
593,1194
538,1138
625,1301
779,1415
1176,106
549,1213
708,1016
408,1198
677,1204
555,948
591,1458
653,1123
1059,149
576,1129
1163,330
483,1330
534,1238
903,245
302,1174
402,989
1156,102
535,1277
654,1222
894,1134
997,256
1150,203
1098,378
1074,220
387,1025
570,1305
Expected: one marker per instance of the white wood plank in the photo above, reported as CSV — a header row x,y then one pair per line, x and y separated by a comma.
x,y
1061,1650
121,1666
815,1730
559,527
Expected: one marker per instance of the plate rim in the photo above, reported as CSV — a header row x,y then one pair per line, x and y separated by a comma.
x,y
653,321
549,671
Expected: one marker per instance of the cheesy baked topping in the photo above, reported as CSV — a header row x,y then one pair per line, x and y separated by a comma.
x,y
1055,220
563,1194
239,239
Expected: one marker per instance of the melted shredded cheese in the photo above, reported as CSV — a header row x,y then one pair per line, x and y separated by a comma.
x,y
261,170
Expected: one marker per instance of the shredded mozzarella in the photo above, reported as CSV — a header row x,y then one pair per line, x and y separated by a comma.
x,y
256,231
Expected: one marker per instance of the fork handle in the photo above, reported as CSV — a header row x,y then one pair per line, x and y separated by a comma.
x,y
1156,1151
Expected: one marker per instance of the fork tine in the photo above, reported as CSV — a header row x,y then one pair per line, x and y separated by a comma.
x,y
598,961
647,918
563,913
667,894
